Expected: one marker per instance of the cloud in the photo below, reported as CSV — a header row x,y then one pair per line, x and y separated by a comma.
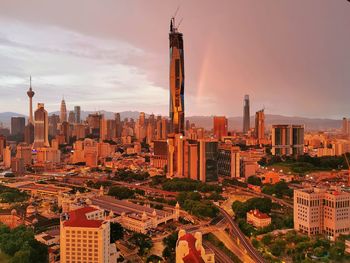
x,y
87,70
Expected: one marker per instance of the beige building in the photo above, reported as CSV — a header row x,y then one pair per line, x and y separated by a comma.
x,y
322,211
258,219
190,249
85,237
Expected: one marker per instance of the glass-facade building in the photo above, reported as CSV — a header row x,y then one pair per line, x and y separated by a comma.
x,y
176,80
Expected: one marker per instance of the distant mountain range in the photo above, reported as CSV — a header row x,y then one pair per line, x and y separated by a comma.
x,y
235,123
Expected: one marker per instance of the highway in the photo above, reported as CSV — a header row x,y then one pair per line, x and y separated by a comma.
x,y
220,256
255,255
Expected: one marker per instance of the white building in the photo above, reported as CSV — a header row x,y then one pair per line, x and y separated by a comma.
x,y
322,211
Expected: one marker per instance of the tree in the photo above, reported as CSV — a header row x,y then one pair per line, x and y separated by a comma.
x,y
117,231
254,180
169,243
266,240
121,192
143,242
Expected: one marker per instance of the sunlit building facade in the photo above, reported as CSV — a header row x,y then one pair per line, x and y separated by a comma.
x,y
177,80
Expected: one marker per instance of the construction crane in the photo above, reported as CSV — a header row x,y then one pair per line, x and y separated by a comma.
x,y
347,162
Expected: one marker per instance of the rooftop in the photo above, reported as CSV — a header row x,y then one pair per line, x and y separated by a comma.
x,y
77,218
193,256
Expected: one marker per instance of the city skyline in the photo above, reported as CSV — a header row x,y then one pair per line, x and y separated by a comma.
x,y
75,59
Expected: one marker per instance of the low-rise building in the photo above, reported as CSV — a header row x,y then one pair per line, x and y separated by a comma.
x,y
258,219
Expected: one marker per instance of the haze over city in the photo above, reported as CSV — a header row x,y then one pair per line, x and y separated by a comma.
x,y
292,57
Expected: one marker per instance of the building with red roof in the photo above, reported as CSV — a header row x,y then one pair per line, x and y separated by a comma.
x,y
189,249
85,236
258,219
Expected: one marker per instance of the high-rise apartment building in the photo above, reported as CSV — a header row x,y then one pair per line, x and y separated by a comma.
x,y
287,140
41,127
246,114
77,114
220,127
177,80
345,126
260,125
17,125
322,211
85,236
63,111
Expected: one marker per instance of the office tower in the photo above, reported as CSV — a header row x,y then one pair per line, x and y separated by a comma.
x,y
208,155
17,125
159,158
63,111
322,211
220,127
54,119
118,125
191,159
84,236
345,126
29,133
77,114
287,140
246,114
142,118
111,129
103,128
151,119
260,125
94,123
228,160
30,94
164,128
177,80
65,131
175,155
71,117
159,128
79,131
41,127
149,133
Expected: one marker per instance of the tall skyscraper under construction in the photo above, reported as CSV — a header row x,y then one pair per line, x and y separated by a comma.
x,y
176,79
